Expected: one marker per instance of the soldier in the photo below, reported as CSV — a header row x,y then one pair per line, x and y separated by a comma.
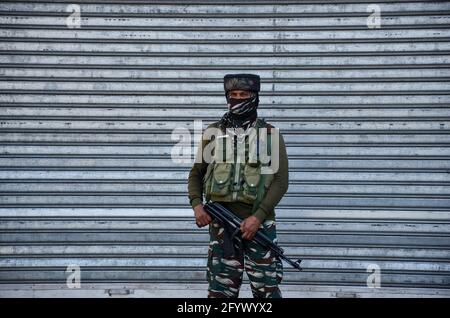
x,y
243,189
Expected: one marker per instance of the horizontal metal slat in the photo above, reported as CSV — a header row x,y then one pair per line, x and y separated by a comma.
x,y
195,23
398,125
226,60
105,187
332,252
213,76
59,136
236,9
372,213
196,236
199,112
275,98
188,88
166,150
138,224
152,199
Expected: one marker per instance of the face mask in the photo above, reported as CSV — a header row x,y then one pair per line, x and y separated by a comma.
x,y
241,112
242,107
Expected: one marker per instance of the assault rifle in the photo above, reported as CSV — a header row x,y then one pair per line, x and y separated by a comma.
x,y
233,222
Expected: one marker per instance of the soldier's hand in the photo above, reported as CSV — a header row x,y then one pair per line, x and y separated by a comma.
x,y
202,218
249,227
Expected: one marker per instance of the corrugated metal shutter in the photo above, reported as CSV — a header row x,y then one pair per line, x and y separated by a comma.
x,y
87,115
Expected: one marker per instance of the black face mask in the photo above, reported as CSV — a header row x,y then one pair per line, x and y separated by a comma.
x,y
241,112
242,107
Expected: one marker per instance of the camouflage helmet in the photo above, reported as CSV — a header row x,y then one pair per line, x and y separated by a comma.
x,y
246,82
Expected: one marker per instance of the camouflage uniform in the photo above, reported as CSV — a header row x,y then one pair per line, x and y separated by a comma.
x,y
224,274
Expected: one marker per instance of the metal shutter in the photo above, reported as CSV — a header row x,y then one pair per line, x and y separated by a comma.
x,y
87,115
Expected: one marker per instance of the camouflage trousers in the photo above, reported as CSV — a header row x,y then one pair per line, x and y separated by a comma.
x,y
224,274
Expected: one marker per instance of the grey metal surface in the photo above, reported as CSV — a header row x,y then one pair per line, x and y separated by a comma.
x,y
87,116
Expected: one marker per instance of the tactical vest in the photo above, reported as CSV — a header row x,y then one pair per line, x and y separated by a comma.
x,y
229,181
